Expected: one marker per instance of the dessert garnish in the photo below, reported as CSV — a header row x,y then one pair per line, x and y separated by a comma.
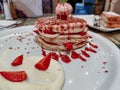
x,y
90,49
14,76
17,61
44,63
93,45
63,9
36,31
76,55
65,58
85,53
68,46
54,56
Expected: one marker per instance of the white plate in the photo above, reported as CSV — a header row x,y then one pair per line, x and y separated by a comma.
x,y
79,75
90,21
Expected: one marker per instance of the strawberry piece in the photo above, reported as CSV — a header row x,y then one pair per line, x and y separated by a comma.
x,y
54,56
43,64
14,76
68,46
17,61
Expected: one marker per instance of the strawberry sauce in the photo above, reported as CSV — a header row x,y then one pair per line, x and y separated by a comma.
x,y
81,58
82,55
65,58
75,55
43,52
90,49
36,31
85,53
93,45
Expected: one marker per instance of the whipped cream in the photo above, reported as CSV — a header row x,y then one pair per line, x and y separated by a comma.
x,y
51,79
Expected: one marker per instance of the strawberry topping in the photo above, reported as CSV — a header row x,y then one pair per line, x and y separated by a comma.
x,y
65,58
54,56
74,55
14,76
17,61
36,31
43,64
68,46
48,31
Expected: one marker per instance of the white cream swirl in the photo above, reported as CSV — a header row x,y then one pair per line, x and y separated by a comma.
x,y
51,79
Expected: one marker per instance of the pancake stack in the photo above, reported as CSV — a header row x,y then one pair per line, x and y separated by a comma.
x,y
62,32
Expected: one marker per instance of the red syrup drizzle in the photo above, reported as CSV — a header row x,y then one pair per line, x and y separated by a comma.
x,y
65,58
49,31
68,46
36,31
43,52
93,45
54,56
75,55
89,36
90,49
85,53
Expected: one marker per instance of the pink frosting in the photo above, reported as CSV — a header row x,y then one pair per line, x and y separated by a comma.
x,y
63,8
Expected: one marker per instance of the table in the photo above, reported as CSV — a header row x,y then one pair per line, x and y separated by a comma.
x,y
114,36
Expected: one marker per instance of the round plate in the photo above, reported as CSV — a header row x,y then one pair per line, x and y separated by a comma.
x,y
101,71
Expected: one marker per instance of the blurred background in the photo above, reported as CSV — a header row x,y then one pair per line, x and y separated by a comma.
x,y
36,8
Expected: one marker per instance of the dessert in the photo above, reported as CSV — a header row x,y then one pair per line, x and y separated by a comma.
x,y
110,20
62,32
26,76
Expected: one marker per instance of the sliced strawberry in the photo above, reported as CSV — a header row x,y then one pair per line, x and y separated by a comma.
x,y
17,61
14,76
43,64
68,46
54,56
